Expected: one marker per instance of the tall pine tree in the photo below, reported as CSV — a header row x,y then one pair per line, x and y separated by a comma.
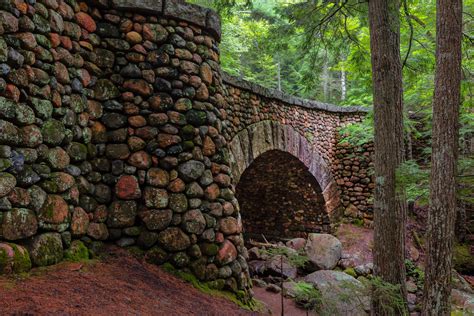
x,y
389,204
442,212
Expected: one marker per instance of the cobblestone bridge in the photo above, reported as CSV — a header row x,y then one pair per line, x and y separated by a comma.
x,y
118,125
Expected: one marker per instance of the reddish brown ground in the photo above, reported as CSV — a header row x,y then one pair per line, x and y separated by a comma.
x,y
272,301
117,285
359,241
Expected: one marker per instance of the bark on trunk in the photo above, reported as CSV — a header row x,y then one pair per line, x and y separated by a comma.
x,y
442,214
389,204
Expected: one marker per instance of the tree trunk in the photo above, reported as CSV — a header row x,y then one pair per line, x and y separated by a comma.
x,y
389,204
442,213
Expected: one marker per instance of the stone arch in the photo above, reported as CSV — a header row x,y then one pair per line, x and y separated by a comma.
x,y
264,136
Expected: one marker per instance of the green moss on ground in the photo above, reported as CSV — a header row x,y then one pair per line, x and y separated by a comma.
x,y
463,259
351,272
240,298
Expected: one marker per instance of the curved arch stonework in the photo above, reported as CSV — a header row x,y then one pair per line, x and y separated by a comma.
x,y
258,138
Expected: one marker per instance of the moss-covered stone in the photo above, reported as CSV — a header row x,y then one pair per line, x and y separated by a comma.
x,y
3,51
43,108
24,114
96,248
7,183
78,103
5,164
22,261
58,182
156,255
9,133
7,108
180,259
199,268
3,261
53,132
77,151
217,284
463,259
351,272
209,249
46,249
19,223
42,25
57,158
77,252
196,118
105,90
13,259
174,239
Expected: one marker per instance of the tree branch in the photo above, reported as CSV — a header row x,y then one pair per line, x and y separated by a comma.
x,y
410,24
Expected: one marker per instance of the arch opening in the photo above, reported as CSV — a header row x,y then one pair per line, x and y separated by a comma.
x,y
280,198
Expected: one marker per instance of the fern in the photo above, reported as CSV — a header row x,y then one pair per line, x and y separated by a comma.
x,y
308,296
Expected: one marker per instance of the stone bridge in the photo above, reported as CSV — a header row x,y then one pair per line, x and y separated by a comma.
x,y
118,125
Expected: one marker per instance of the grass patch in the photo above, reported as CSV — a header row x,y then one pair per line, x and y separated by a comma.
x,y
240,298
358,222
296,259
415,272
308,296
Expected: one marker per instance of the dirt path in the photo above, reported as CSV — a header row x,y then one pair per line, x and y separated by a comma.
x,y
117,285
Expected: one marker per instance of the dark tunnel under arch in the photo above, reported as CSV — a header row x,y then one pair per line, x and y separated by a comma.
x,y
280,198
253,149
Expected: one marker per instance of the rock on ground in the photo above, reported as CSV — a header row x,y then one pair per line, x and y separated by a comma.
x,y
323,251
341,293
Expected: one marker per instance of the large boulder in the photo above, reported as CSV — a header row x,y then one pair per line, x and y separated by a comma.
x,y
323,251
341,293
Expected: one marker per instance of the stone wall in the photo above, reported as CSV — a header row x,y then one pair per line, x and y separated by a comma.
x,y
117,125
107,134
